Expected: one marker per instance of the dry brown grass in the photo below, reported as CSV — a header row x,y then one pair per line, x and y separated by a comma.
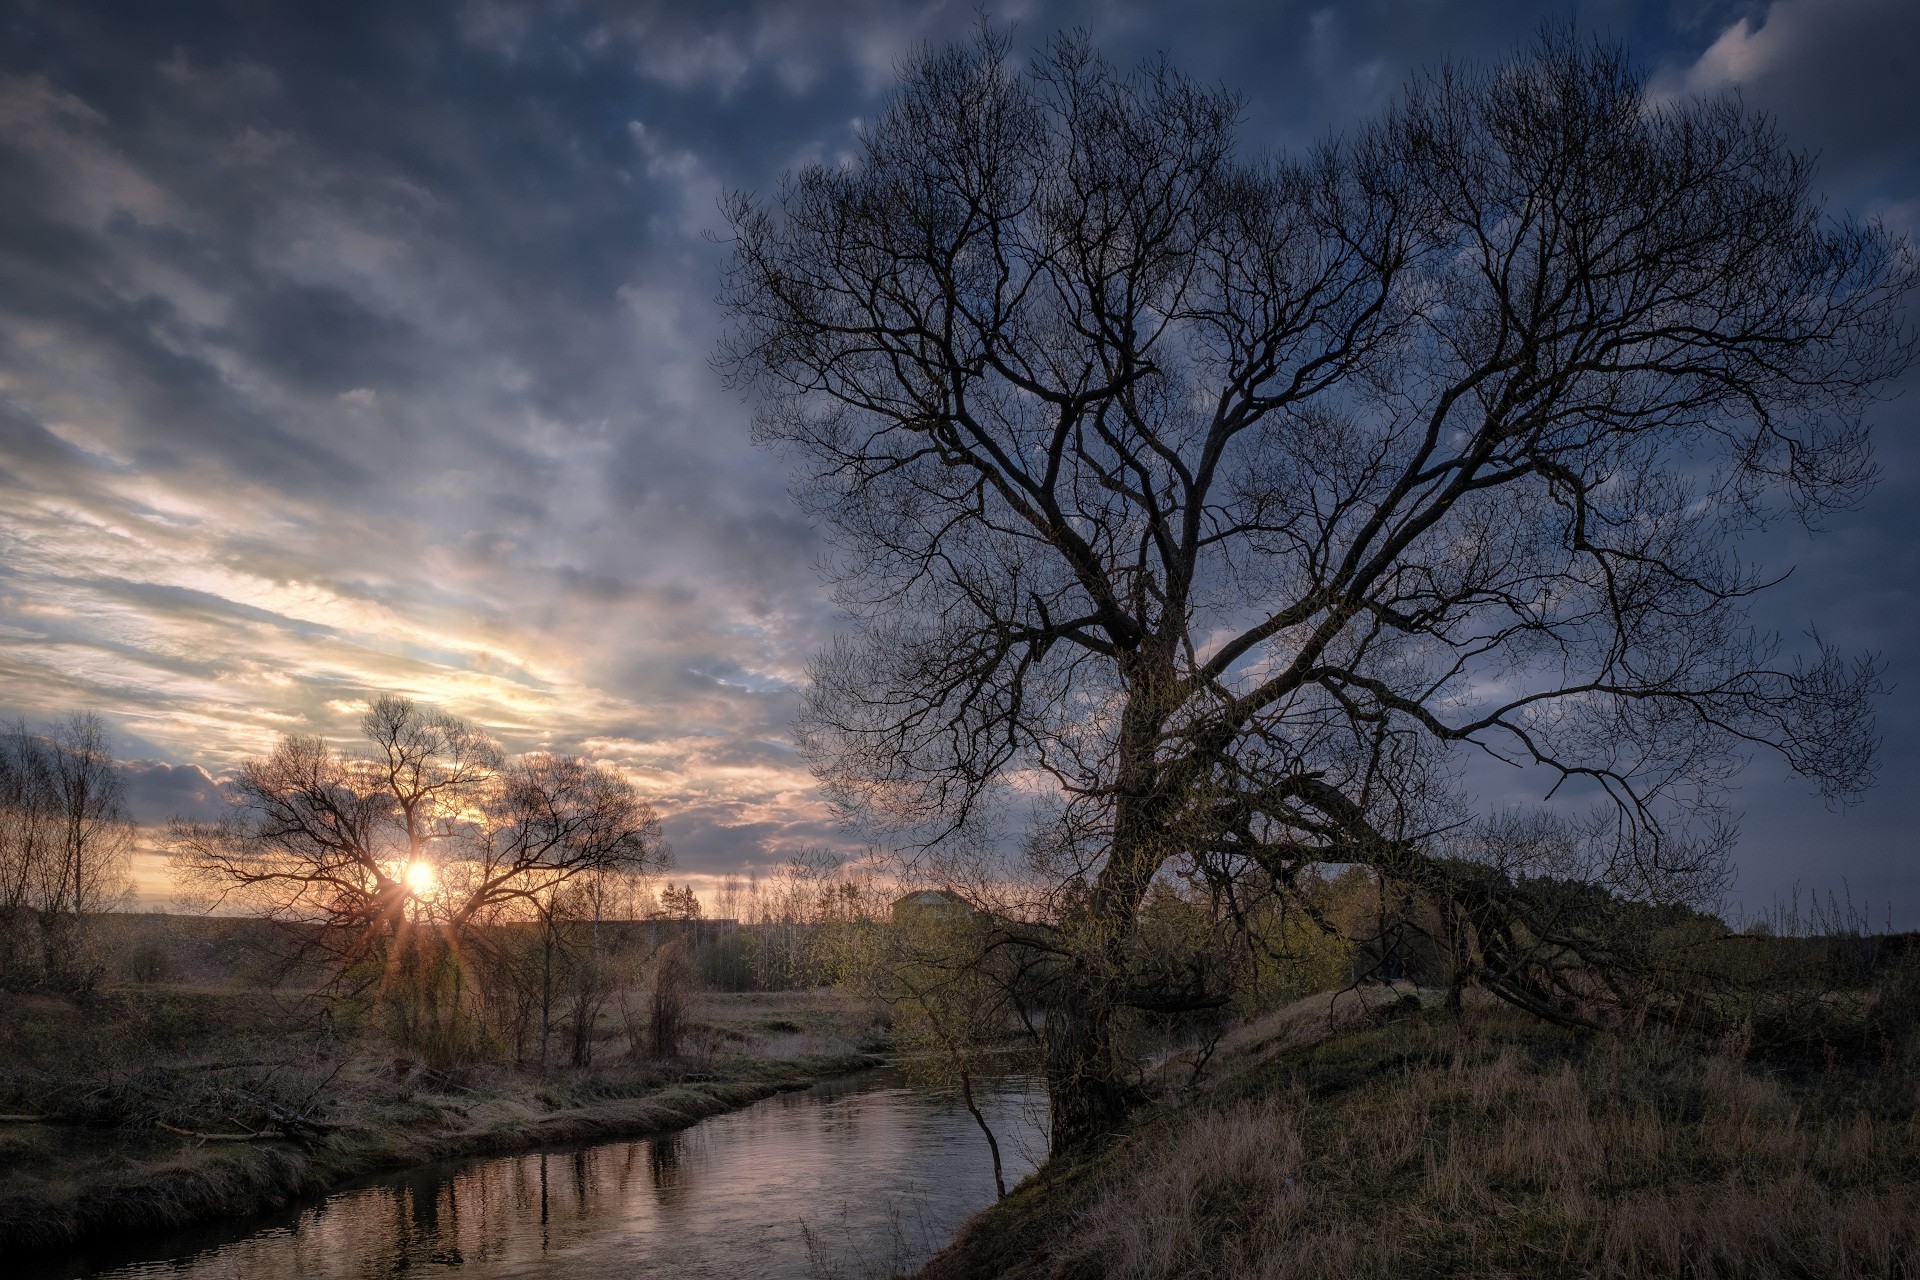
x,y
104,1076
1412,1151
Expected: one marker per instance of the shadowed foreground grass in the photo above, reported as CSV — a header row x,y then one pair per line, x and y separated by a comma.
x,y
1412,1150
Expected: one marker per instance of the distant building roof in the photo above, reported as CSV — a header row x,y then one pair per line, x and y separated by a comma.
x,y
931,904
930,898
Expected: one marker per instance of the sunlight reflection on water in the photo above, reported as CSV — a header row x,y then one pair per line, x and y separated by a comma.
x,y
850,1178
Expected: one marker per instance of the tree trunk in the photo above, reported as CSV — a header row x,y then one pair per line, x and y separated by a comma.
x,y
546,994
1091,1085
1088,1093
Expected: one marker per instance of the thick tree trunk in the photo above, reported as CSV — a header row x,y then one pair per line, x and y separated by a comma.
x,y
1089,1094
1091,1082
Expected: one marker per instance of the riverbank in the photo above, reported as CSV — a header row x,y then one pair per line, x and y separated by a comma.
x,y
1401,1144
64,1183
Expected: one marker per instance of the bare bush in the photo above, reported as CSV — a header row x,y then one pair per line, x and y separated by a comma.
x,y
667,1015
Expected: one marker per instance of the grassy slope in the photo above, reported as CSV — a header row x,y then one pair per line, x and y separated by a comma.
x,y
1410,1150
61,1183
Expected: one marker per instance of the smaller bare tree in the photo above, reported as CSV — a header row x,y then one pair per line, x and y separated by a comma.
x,y
65,837
399,860
953,1004
672,976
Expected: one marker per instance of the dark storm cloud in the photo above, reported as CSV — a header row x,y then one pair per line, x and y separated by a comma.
x,y
158,792
319,338
27,447
721,838
1840,76
365,346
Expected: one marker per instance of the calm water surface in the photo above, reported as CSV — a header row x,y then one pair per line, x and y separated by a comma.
x,y
855,1177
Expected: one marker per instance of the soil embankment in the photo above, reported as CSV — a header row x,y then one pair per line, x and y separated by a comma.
x,y
1410,1146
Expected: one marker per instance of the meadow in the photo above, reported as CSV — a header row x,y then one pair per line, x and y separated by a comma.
x,y
199,1078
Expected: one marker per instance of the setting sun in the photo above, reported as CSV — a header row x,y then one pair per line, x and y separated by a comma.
x,y
420,877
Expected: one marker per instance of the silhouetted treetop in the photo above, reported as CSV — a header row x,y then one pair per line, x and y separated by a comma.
x,y
1222,499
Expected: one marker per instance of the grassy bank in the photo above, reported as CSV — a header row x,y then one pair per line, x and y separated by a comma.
x,y
1410,1148
107,1077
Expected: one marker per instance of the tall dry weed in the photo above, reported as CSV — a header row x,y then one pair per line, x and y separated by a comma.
x,y
1523,1160
1232,1177
1792,1228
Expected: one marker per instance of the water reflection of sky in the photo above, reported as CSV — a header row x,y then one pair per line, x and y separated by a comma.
x,y
853,1180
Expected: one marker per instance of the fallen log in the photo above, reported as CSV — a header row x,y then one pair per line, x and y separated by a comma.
x,y
219,1137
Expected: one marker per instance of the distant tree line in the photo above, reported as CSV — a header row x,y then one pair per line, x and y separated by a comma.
x,y
791,930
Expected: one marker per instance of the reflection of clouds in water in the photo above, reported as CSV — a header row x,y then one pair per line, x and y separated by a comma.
x,y
850,1179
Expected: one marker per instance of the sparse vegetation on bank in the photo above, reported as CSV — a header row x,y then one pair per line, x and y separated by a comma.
x,y
1400,1144
157,1106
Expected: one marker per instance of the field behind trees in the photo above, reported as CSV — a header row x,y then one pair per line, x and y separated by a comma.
x,y
199,1079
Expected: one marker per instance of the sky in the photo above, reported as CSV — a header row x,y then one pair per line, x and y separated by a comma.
x,y
354,348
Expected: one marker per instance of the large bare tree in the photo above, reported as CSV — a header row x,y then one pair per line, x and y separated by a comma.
x,y
1222,503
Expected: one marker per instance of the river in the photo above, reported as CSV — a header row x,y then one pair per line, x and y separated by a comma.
x,y
852,1178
